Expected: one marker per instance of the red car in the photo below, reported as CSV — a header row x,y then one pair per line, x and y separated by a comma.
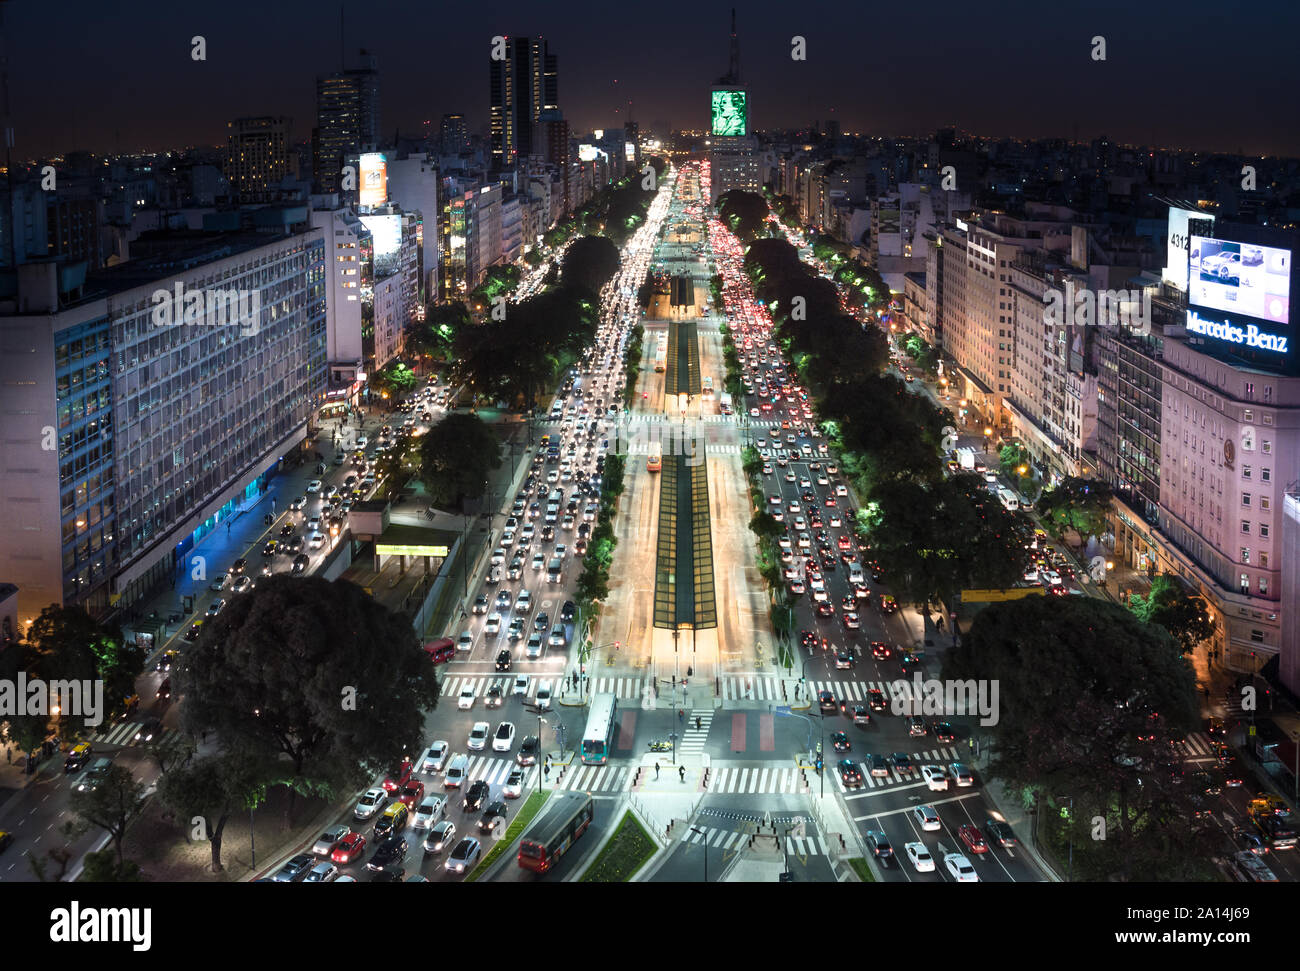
x,y
399,777
880,650
350,848
412,794
843,542
973,838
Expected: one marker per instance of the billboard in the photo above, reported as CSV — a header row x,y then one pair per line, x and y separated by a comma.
x,y
588,153
1175,271
386,238
374,180
629,151
1243,279
730,112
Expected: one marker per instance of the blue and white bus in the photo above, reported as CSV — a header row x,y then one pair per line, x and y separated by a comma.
x,y
599,733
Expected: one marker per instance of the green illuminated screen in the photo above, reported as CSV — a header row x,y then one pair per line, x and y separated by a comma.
x,y
729,113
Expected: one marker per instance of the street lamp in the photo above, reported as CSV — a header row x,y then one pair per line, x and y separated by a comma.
x,y
540,722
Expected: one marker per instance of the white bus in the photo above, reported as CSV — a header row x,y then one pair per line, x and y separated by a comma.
x,y
661,353
598,736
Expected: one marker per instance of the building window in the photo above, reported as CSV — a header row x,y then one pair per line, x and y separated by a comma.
x,y
1263,586
1263,560
1245,554
1245,525
1257,635
1263,529
1267,419
1245,471
1243,583
1250,388
1248,416
1264,502
1245,498
1266,447
1265,475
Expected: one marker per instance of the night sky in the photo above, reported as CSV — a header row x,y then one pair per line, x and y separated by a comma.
x,y
112,77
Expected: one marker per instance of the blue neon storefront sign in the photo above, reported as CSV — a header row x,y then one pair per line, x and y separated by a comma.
x,y
1225,330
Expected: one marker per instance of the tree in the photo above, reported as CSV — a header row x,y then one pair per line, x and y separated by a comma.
x,y
456,458
764,526
214,788
1076,504
1082,685
111,806
589,263
1013,458
745,213
313,676
395,381
1186,617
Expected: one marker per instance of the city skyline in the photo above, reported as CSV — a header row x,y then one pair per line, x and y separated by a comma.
x,y
156,104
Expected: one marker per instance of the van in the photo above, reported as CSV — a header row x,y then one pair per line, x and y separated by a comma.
x,y
557,638
393,820
457,769
443,649
554,569
544,695
855,573
339,458
1008,498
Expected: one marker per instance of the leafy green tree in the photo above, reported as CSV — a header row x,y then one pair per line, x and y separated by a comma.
x,y
111,806
745,213
216,787
1013,458
101,867
456,457
1169,605
1076,504
764,526
1090,700
395,381
314,676
589,263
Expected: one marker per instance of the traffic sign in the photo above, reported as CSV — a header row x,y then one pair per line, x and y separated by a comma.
x,y
782,710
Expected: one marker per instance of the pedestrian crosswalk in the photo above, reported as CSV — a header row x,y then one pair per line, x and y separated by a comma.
x,y
577,777
731,839
1199,745
710,448
625,689
693,738
758,688
124,734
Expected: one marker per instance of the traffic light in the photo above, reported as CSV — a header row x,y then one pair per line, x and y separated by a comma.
x,y
819,763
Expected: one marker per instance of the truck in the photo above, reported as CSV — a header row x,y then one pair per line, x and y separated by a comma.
x,y
966,459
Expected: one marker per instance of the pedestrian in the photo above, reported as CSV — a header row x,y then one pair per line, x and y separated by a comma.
x,y
681,715
681,771
697,723
656,771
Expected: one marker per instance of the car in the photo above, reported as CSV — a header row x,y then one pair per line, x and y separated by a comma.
x,y
927,818
429,811
440,837
901,761
973,838
919,856
504,739
167,659
475,796
1000,833
840,742
541,621
851,622
411,794
959,868
860,715
390,851
826,701
493,624
943,732
516,630
478,736
77,758
457,769
465,700
879,766
322,873
195,630
504,659
935,777
219,581
915,725
314,486
464,856
876,698
568,612
528,750
372,802
879,844
888,604
295,870
392,820
494,811
150,729
349,848
481,604
520,685
399,776
880,650
961,774
850,774
514,784
435,758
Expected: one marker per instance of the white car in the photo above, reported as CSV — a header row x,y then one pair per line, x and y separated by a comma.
x,y
959,868
298,504
465,701
313,524
219,581
435,758
927,817
314,486
504,739
920,857
493,624
430,811
520,686
372,802
465,641
841,490
315,541
961,774
498,556
935,777
478,736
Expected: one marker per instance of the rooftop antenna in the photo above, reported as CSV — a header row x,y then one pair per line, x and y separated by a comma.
x,y
343,58
734,68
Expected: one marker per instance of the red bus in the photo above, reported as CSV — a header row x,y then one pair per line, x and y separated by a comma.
x,y
562,820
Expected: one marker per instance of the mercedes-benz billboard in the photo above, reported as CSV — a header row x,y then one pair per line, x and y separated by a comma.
x,y
1240,278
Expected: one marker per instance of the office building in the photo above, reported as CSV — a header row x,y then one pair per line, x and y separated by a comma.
x,y
256,156
347,121
522,85
453,135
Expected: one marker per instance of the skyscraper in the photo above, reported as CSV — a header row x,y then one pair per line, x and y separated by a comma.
x,y
453,135
256,158
347,120
522,85
733,150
